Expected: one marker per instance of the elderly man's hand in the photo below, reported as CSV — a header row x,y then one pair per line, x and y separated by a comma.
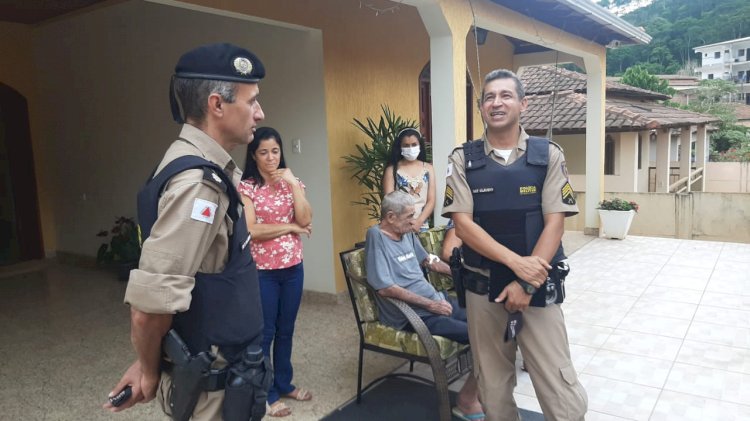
x,y
441,307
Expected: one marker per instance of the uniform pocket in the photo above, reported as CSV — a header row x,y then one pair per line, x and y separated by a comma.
x,y
575,399
164,394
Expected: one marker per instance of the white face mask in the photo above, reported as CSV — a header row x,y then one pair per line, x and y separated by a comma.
x,y
410,154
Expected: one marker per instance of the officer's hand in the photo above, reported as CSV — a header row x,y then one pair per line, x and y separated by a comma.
x,y
515,298
532,269
441,307
131,377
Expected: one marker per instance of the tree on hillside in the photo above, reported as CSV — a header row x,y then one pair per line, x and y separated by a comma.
x,y
639,77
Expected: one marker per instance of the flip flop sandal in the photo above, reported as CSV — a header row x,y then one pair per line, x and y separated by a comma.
x,y
278,409
300,395
467,417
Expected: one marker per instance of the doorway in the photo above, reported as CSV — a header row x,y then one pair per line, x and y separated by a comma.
x,y
425,106
20,231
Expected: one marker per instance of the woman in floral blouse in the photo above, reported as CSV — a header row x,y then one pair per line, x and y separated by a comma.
x,y
277,213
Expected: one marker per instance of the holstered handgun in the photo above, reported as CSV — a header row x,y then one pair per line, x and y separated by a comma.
x,y
247,386
189,375
458,281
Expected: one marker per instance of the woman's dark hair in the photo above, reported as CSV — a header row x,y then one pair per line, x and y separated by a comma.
x,y
251,167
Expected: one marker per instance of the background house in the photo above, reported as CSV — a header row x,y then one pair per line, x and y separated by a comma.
x,y
643,141
727,60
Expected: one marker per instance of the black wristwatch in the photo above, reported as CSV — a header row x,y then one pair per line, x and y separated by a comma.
x,y
527,287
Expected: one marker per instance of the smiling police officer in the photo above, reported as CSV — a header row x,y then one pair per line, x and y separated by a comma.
x,y
508,195
196,322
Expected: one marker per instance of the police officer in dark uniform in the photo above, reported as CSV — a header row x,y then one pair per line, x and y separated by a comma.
x,y
508,195
196,322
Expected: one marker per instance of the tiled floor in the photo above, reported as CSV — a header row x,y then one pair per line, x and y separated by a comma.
x,y
659,330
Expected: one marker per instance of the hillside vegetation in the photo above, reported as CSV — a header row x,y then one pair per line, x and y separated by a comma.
x,y
678,26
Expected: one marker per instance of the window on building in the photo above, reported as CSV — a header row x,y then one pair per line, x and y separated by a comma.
x,y
705,54
741,52
609,155
710,75
717,54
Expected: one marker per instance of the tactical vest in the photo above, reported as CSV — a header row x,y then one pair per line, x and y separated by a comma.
x,y
508,206
225,309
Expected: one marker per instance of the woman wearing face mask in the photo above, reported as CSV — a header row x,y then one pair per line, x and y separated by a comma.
x,y
277,212
408,171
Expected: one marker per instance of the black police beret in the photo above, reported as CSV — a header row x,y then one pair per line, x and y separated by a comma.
x,y
223,61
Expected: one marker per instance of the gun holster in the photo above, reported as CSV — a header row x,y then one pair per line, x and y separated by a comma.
x,y
189,373
248,382
555,284
458,281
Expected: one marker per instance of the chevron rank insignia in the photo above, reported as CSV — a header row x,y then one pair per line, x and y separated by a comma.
x,y
448,196
567,194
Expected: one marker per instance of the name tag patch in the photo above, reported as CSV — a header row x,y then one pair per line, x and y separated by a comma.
x,y
483,190
204,211
526,190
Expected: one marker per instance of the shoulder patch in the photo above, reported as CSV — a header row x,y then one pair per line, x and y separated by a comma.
x,y
203,211
448,199
567,195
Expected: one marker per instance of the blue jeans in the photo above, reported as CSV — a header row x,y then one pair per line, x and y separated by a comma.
x,y
281,294
453,327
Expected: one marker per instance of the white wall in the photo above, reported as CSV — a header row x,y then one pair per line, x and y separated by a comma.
x,y
103,83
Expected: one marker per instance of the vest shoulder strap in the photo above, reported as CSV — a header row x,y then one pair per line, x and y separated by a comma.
x,y
211,172
537,151
474,157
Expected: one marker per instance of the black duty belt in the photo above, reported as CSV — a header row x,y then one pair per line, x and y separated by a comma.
x,y
475,282
217,378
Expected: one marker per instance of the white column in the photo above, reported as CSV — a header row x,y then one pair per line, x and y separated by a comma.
x,y
686,153
645,153
447,30
663,140
629,161
701,155
595,84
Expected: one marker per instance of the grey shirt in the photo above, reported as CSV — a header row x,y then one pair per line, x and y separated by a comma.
x,y
390,262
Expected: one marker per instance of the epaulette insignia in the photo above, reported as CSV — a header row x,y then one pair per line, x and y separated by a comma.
x,y
210,175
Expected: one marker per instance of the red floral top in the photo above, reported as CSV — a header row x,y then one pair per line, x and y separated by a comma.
x,y
273,205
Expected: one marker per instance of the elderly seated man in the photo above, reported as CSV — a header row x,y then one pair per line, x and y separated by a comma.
x,y
394,259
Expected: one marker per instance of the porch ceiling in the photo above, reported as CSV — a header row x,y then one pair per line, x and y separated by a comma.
x,y
578,17
35,11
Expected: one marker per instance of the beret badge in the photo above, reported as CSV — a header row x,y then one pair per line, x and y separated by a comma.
x,y
243,66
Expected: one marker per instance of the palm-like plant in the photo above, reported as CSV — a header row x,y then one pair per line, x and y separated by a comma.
x,y
371,158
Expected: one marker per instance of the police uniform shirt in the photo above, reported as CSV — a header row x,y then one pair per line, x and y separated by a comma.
x,y
557,194
191,233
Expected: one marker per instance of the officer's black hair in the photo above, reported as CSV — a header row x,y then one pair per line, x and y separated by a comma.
x,y
395,155
193,95
503,74
251,167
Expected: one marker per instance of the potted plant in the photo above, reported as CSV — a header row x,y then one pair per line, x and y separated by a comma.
x,y
123,249
371,158
616,215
